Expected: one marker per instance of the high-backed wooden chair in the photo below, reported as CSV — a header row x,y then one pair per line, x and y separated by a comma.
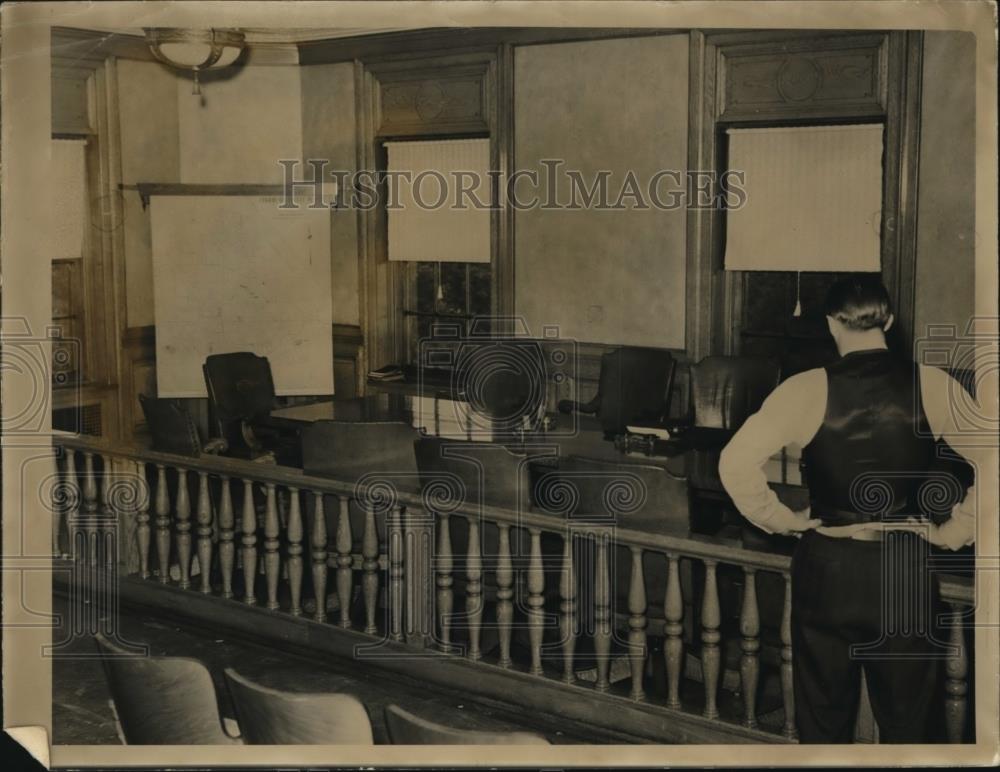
x,y
173,430
635,386
408,729
241,396
633,496
163,700
273,717
725,391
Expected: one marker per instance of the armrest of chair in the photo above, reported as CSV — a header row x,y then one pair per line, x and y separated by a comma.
x,y
567,406
215,447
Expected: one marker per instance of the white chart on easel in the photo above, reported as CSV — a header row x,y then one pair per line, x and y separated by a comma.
x,y
235,273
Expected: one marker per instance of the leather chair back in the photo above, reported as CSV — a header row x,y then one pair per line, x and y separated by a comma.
x,y
171,426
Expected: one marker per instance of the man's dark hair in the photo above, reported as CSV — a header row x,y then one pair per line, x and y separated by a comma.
x,y
859,301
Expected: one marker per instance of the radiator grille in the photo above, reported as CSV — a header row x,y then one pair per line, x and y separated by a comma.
x,y
85,419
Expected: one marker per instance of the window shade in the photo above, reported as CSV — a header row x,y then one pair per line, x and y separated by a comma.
x,y
426,223
813,199
69,197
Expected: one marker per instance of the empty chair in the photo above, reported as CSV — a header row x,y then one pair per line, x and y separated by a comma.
x,y
241,394
489,473
635,386
173,429
273,717
641,497
408,729
163,700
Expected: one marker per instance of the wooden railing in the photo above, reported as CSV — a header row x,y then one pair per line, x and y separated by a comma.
x,y
255,529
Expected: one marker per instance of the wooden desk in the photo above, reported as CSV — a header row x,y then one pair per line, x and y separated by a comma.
x,y
371,409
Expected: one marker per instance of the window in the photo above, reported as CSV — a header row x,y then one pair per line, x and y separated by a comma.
x,y
442,238
69,199
453,292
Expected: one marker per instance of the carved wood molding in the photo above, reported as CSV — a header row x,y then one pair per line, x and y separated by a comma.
x,y
443,98
823,76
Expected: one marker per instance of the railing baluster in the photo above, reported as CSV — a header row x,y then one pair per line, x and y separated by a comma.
x,y
204,532
142,529
637,624
90,508
445,596
162,524
182,512
295,552
344,561
318,545
272,560
108,519
474,588
787,691
956,687
673,649
505,591
749,663
567,619
73,499
536,601
227,525
249,526
710,637
602,614
369,565
396,573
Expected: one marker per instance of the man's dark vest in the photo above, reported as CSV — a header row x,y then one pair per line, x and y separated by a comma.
x,y
869,457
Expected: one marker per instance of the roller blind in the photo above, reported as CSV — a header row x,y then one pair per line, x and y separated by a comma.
x,y
69,197
813,199
428,218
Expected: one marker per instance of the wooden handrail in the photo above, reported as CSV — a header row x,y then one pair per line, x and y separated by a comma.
x,y
954,589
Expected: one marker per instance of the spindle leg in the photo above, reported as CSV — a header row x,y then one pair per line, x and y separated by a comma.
x,y
536,601
294,562
602,614
956,674
673,649
162,524
73,496
182,523
505,592
204,532
272,560
710,637
749,663
227,525
787,690
249,523
444,562
474,588
90,509
396,573
637,624
142,529
567,607
344,544
369,565
317,543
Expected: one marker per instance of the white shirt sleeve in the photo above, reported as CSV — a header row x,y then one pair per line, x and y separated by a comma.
x,y
792,414
941,398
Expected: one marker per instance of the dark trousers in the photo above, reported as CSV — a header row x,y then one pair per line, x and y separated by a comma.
x,y
871,605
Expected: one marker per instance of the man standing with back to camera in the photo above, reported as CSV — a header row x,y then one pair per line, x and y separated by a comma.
x,y
867,425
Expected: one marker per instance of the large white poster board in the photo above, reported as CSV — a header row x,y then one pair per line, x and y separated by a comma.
x,y
236,273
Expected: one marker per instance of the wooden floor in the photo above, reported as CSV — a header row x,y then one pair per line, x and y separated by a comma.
x,y
81,712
